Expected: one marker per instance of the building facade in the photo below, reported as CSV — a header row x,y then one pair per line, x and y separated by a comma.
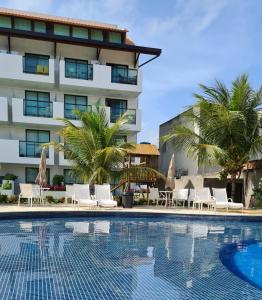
x,y
50,66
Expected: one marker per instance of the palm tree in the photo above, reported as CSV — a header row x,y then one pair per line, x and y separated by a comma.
x,y
227,122
97,154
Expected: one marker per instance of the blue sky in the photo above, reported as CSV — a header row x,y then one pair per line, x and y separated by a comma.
x,y
201,40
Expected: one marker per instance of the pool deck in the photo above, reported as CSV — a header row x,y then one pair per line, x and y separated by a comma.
x,y
14,211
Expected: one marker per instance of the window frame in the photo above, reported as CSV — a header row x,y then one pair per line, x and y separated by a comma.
x,y
32,168
65,109
76,61
38,56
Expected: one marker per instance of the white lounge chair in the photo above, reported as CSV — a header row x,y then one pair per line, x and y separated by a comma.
x,y
26,192
103,196
203,196
222,201
69,193
154,195
180,195
82,195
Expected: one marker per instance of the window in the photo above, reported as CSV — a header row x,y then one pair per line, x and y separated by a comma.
x,y
79,32
96,35
61,30
5,22
40,27
31,147
117,108
119,139
73,102
38,104
68,178
115,37
36,64
79,69
22,24
31,174
122,74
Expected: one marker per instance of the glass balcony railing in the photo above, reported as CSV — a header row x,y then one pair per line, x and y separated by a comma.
x,y
79,73
116,113
31,149
36,108
70,108
123,75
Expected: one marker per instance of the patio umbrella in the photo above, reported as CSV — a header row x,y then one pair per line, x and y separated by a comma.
x,y
41,177
170,182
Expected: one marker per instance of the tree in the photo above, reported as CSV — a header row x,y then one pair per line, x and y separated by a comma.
x,y
96,152
227,122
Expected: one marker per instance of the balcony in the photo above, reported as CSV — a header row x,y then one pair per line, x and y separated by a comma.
x,y
3,109
102,81
37,112
134,118
12,71
20,152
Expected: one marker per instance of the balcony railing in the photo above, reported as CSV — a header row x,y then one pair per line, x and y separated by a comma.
x,y
116,113
36,108
123,75
69,112
31,149
79,74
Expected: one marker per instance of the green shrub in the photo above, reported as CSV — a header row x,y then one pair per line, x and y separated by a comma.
x,y
3,198
49,199
13,199
141,201
58,180
6,185
10,176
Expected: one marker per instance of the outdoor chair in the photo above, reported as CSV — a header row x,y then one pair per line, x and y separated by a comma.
x,y
103,196
180,195
69,193
26,192
153,195
82,195
222,201
203,196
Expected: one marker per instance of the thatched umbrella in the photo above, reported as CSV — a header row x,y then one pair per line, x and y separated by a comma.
x,y
170,181
41,177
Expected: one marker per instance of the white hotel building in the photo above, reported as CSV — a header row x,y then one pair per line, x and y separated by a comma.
x,y
50,66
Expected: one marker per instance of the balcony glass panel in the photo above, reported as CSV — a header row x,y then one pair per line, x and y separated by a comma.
x,y
116,113
5,22
31,149
79,32
78,69
115,37
22,24
97,35
36,64
122,74
40,27
38,104
63,30
73,103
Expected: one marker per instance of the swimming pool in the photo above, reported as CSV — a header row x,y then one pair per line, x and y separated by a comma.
x,y
126,258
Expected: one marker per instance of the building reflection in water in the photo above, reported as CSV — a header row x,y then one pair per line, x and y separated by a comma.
x,y
116,258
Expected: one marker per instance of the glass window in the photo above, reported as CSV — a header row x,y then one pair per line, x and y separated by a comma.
x,y
80,32
68,177
79,69
122,74
22,24
96,35
31,174
115,37
74,102
120,139
40,27
5,22
36,64
61,30
117,108
38,104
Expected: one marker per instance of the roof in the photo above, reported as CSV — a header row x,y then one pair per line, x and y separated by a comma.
x,y
144,149
64,20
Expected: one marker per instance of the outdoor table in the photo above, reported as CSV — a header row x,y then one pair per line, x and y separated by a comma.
x,y
42,193
166,196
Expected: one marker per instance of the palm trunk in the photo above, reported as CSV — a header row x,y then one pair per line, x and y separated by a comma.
x,y
233,186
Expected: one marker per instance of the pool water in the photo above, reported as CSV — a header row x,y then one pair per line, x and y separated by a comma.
x,y
129,258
